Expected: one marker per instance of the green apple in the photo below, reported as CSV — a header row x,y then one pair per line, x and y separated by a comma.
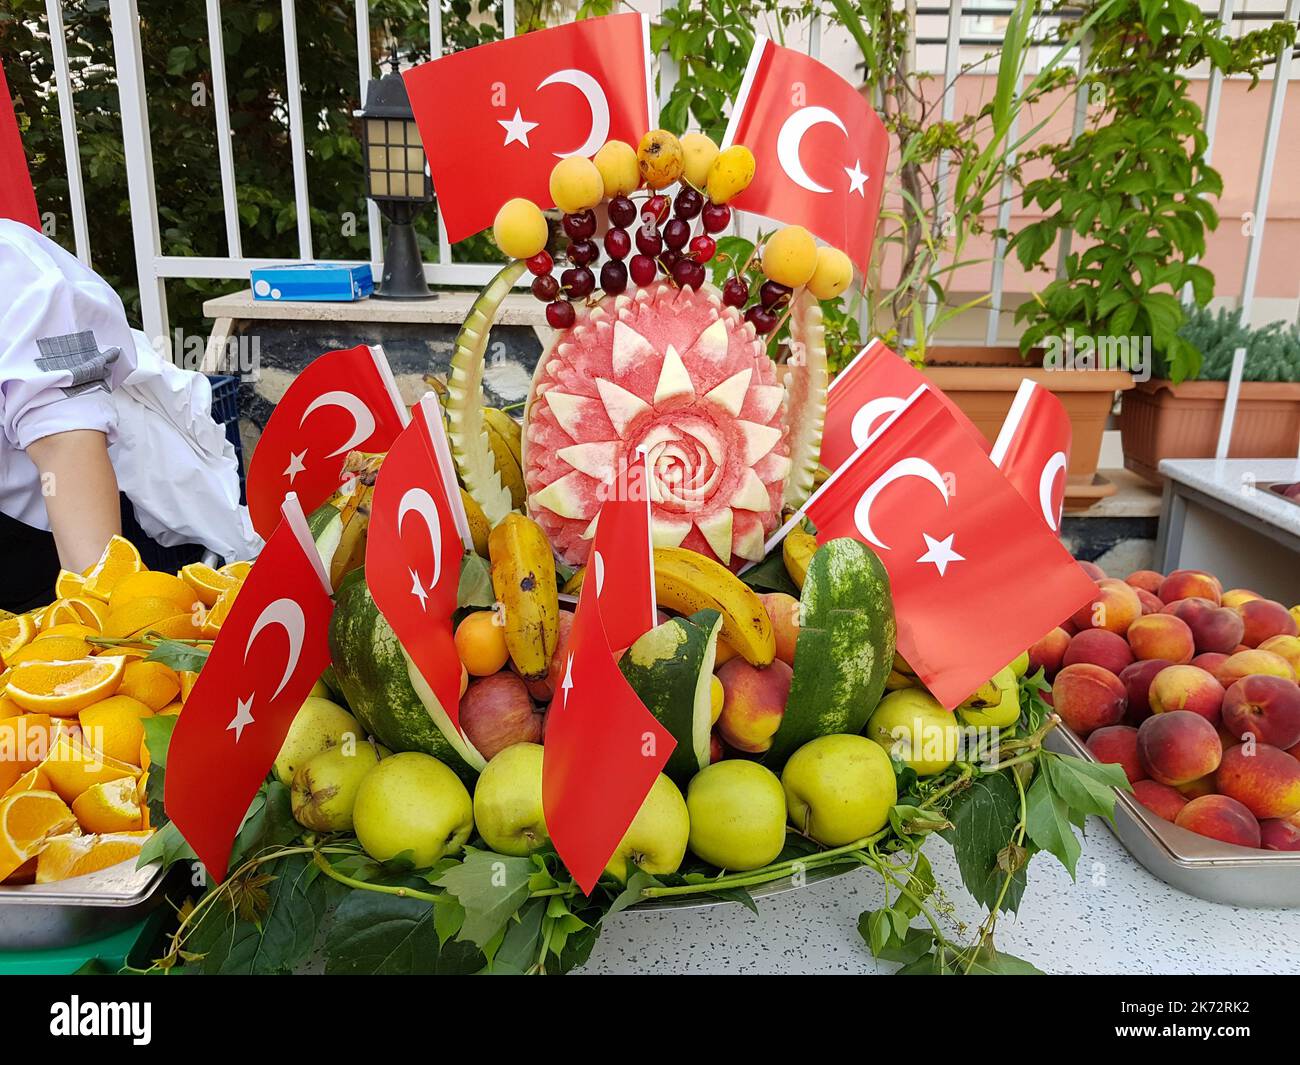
x,y
321,690
413,806
737,814
839,788
1005,712
508,801
1021,664
655,841
325,786
318,726
912,725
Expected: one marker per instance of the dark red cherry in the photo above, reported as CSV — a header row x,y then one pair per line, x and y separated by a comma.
x,y
580,225
560,315
541,263
643,269
715,217
617,243
583,252
702,248
622,211
613,277
735,293
578,282
545,288
677,233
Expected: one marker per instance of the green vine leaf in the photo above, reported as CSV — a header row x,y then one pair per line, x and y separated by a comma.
x,y
376,934
984,817
1048,822
491,888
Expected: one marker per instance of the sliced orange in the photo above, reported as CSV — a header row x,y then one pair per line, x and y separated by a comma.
x,y
15,632
113,726
119,560
93,612
68,584
72,767
188,679
68,628
9,708
66,612
220,611
24,743
65,688
236,570
27,821
205,582
149,584
139,615
180,627
171,710
52,649
32,780
153,683
68,856
110,807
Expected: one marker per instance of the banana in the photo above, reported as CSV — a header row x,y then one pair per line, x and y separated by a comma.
x,y
897,680
523,579
574,584
686,581
478,523
503,434
797,549
509,430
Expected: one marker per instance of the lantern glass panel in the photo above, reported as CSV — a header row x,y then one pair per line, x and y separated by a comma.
x,y
379,183
375,130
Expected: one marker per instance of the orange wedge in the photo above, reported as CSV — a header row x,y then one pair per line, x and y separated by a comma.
x,y
138,615
32,780
236,570
153,683
9,708
188,679
64,688
72,767
219,612
67,612
110,807
119,560
27,821
128,653
69,856
113,726
68,584
52,649
148,584
206,583
68,628
171,710
180,627
15,632
92,612
24,743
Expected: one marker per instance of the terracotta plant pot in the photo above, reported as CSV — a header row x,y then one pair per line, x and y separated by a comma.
x,y
983,381
1162,420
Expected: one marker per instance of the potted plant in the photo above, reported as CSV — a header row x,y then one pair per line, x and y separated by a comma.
x,y
1163,418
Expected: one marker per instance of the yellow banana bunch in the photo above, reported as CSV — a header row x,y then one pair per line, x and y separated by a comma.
x,y
523,579
686,581
505,438
797,549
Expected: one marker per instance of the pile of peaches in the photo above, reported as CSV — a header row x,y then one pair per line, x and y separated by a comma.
x,y
1192,691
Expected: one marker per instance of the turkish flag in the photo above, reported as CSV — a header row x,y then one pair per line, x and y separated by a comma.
x,y
1033,449
603,749
622,560
862,397
17,197
271,649
342,401
976,576
821,149
494,119
413,555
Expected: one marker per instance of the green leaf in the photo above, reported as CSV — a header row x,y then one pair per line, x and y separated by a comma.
x,y
269,823
168,846
915,945
491,887
375,934
1086,787
475,588
1047,821
990,962
983,817
179,656
631,893
158,737
770,575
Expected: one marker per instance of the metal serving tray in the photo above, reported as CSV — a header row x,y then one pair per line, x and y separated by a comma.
x,y
1198,865
78,910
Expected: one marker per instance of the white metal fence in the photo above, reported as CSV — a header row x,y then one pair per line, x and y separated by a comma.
x,y
155,268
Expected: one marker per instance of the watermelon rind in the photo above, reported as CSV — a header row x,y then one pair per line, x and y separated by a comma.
x,y
325,524
375,676
671,670
845,648
806,380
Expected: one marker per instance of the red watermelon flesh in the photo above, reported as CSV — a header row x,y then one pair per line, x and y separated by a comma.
x,y
676,372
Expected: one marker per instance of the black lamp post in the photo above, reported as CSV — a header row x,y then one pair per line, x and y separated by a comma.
x,y
397,180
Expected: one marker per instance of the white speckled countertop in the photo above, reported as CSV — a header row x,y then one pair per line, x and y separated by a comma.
x,y
1117,918
1239,481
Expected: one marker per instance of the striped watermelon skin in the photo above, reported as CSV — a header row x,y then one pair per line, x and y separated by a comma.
x,y
679,374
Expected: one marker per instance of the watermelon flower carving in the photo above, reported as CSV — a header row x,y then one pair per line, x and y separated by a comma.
x,y
679,374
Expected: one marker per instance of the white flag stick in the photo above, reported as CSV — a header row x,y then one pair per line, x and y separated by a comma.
x,y
432,413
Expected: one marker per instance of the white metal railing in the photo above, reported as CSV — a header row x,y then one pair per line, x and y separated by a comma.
x,y
155,268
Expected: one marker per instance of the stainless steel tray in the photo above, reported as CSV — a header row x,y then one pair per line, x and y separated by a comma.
x,y
78,910
1198,865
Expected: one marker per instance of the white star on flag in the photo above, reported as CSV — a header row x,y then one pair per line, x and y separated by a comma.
x,y
296,465
857,179
243,717
417,589
517,129
567,683
940,552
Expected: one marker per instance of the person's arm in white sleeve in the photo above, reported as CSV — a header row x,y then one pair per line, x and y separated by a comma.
x,y
80,492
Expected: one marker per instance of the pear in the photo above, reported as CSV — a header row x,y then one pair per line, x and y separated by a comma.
x,y
325,786
318,726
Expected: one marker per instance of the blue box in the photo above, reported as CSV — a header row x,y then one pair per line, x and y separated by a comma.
x,y
313,282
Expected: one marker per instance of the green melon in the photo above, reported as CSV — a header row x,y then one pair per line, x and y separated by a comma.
x,y
383,688
845,648
325,524
671,670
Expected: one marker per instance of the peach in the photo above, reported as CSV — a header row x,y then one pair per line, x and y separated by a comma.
x,y
1244,663
1048,653
1137,679
1160,799
1100,647
1117,745
1263,778
1146,579
1182,687
1234,597
1088,697
1278,835
1092,569
1151,603
1115,608
1178,747
1069,626
783,610
1266,707
1214,628
717,752
1183,583
753,703
1161,636
1220,817
1194,789
1264,618
1210,661
1287,647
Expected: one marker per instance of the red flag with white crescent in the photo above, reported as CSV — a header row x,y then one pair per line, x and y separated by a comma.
x,y
494,119
820,147
864,395
416,541
271,649
622,557
341,401
1033,449
959,544
17,197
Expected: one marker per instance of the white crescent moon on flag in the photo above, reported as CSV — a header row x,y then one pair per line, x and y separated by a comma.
x,y
418,500
1056,464
790,138
870,413
908,467
590,88
288,615
363,422
598,565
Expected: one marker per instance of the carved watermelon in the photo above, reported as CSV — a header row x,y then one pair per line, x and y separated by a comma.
x,y
676,372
